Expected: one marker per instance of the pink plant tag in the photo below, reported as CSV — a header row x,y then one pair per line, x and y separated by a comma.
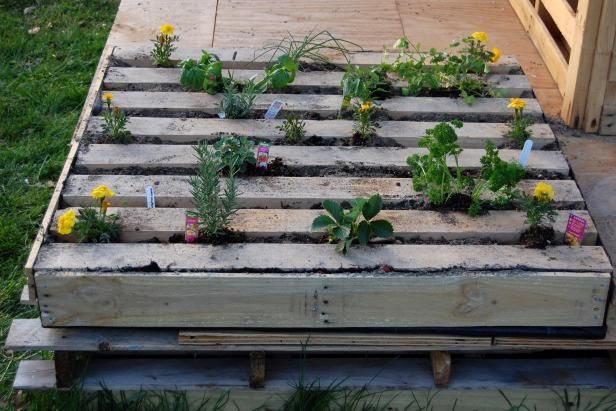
x,y
263,155
192,229
575,230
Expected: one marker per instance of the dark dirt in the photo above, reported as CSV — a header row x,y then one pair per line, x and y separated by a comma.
x,y
537,237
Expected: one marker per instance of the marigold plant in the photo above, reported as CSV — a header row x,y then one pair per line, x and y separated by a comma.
x,y
518,126
164,45
538,206
115,121
363,126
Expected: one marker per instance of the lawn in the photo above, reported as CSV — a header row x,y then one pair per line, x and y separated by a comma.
x,y
47,59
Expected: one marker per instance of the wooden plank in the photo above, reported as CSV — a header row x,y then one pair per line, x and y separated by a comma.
x,y
598,89
25,298
478,385
256,257
608,120
405,133
29,335
457,298
256,59
510,343
275,192
157,79
441,368
505,227
543,40
80,128
256,378
564,17
581,61
98,157
398,108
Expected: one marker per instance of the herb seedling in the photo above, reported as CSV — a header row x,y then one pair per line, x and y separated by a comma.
x,y
345,228
294,129
203,75
164,46
238,104
365,83
213,209
518,126
235,153
502,176
431,174
115,121
92,225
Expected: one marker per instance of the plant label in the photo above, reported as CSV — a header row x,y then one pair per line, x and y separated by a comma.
x,y
263,155
273,110
575,230
222,114
149,196
192,229
528,145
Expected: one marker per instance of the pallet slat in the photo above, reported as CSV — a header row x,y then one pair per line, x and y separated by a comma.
x,y
405,133
398,108
274,192
124,156
505,227
244,300
251,59
153,79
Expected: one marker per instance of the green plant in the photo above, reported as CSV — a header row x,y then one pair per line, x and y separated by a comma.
x,y
164,45
238,104
345,228
430,172
213,209
518,126
502,176
363,126
538,207
289,51
365,83
115,121
235,153
294,129
203,75
419,69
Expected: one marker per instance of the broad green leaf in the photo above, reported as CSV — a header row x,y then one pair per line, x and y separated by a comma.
x,y
382,228
363,232
321,222
341,232
334,209
372,207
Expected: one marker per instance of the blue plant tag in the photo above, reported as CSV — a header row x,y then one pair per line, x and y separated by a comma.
x,y
222,114
149,195
273,110
528,145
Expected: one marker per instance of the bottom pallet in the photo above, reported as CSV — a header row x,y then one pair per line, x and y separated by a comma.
x,y
476,384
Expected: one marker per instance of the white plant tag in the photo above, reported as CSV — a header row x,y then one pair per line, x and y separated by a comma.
x,y
528,145
273,110
222,114
149,194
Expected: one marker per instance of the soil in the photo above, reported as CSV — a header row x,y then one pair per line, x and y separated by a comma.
x,y
537,237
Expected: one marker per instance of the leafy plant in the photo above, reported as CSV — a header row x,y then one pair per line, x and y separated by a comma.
x,y
294,129
502,176
238,104
518,126
345,228
365,83
115,121
289,51
419,69
235,153
431,174
203,75
213,209
363,126
539,208
164,45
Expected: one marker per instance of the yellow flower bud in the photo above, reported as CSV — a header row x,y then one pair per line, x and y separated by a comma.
x,y
544,191
107,97
480,36
516,103
101,192
496,54
66,222
167,29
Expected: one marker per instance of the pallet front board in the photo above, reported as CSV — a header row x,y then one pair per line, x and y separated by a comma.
x,y
445,269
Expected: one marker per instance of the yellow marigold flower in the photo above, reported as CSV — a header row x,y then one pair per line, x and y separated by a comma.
x,y
107,96
66,222
544,191
480,36
365,107
105,205
101,192
516,103
496,53
167,29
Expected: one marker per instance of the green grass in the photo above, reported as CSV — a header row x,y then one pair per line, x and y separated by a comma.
x,y
44,79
